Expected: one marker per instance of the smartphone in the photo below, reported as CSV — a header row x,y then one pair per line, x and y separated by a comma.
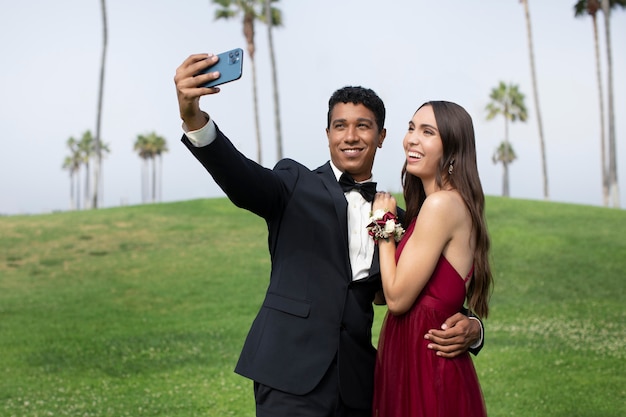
x,y
229,65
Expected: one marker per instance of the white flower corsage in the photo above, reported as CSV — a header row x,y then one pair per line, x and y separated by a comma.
x,y
383,225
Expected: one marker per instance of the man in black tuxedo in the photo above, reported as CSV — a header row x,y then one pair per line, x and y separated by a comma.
x,y
309,351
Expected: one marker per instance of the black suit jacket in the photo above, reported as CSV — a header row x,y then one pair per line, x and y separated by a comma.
x,y
313,313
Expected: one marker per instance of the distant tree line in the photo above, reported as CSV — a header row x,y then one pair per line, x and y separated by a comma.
x,y
507,100
86,154
150,147
82,153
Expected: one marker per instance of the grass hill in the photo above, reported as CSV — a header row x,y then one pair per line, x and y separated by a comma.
x,y
143,310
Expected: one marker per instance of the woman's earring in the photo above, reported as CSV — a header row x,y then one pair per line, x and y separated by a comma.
x,y
451,167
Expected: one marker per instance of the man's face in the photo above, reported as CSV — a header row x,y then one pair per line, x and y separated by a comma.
x,y
353,138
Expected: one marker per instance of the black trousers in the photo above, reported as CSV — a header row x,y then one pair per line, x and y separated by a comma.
x,y
323,401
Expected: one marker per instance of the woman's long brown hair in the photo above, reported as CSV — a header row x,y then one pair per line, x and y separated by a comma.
x,y
459,150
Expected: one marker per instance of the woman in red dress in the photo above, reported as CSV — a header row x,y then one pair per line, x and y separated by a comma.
x,y
440,264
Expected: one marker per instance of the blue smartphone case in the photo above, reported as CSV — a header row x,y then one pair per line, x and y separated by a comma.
x,y
229,65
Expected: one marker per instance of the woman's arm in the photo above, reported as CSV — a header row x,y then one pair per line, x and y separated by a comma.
x,y
434,228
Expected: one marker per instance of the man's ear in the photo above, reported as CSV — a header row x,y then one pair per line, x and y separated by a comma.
x,y
381,137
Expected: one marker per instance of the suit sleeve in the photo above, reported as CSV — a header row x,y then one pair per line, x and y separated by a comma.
x,y
246,183
476,348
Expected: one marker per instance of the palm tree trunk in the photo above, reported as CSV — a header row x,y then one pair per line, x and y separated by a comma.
x,y
78,189
270,41
505,164
257,125
153,179
144,180
87,201
505,178
605,177
248,33
613,186
97,144
72,202
160,178
542,145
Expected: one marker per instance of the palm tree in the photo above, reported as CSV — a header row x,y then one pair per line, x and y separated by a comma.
x,y
151,147
159,147
591,7
143,148
612,174
542,145
505,155
68,165
86,149
72,163
507,100
230,9
97,141
273,17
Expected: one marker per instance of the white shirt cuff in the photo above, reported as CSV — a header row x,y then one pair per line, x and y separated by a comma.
x,y
477,344
203,136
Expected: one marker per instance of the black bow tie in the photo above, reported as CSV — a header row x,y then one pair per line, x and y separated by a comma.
x,y
367,189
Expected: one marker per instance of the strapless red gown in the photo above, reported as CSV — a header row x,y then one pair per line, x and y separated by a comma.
x,y
410,380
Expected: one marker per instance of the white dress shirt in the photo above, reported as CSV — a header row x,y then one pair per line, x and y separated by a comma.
x,y
360,243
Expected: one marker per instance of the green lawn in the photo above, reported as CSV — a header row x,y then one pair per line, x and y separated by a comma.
x,y
142,311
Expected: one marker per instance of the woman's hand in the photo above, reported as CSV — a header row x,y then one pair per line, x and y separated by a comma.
x,y
384,201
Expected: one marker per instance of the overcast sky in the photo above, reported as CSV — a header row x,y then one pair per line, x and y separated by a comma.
x,y
408,51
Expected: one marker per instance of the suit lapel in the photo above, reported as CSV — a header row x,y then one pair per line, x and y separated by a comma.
x,y
327,177
339,199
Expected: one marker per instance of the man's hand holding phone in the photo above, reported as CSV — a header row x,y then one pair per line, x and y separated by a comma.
x,y
192,77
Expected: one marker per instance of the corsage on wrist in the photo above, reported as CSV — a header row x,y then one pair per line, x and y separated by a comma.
x,y
383,225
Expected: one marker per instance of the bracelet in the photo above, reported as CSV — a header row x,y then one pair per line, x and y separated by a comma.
x,y
384,224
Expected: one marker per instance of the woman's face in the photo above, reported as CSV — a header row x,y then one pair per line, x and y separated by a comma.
x,y
422,145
